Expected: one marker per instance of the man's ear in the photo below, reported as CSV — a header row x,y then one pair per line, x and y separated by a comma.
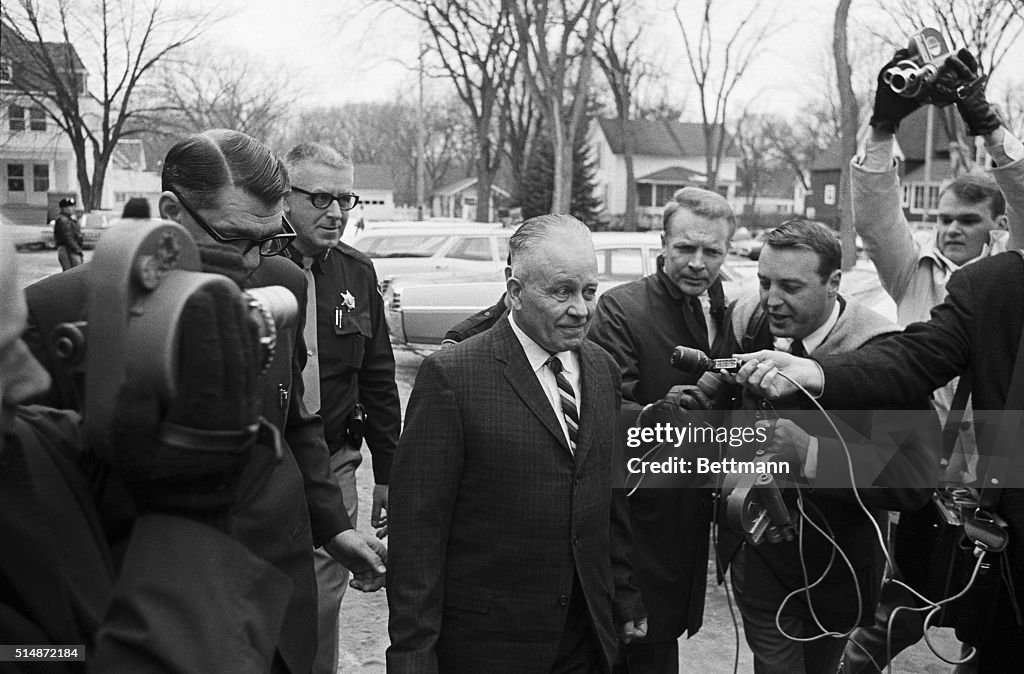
x,y
515,290
1002,221
170,208
833,282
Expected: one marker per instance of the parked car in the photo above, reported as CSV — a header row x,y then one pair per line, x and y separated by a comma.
x,y
421,308
447,251
93,224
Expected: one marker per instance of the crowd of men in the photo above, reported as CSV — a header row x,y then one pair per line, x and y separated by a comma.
x,y
215,531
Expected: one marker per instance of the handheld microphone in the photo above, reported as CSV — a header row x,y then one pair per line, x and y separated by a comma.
x,y
694,360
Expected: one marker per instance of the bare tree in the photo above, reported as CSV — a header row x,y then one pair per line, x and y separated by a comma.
x,y
756,154
130,39
849,124
224,89
617,52
557,41
475,43
718,63
988,28
522,121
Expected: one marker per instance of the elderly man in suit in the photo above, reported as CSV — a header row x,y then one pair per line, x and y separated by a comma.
x,y
509,544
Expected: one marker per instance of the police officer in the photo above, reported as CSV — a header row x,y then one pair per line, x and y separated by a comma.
x,y
67,234
349,375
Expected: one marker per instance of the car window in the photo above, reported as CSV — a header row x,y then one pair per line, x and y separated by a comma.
x,y
502,242
413,245
620,264
471,248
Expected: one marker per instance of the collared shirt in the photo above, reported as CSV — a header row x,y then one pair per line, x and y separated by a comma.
x,y
537,356
812,342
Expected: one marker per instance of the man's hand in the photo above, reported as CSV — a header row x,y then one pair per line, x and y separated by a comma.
x,y
633,629
363,555
762,374
788,441
890,108
977,113
689,397
379,513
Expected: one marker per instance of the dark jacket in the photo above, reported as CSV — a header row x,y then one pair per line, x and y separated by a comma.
x,y
68,233
61,582
276,521
492,515
639,324
901,476
357,364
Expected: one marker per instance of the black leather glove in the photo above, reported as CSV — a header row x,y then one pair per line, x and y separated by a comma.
x,y
194,464
689,397
890,108
977,113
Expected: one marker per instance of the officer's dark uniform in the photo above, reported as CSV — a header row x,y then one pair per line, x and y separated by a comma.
x,y
67,235
475,324
357,364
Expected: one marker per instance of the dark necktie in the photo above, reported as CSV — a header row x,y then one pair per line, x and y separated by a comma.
x,y
568,397
698,314
797,348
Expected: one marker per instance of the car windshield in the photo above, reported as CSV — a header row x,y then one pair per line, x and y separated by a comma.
x,y
413,245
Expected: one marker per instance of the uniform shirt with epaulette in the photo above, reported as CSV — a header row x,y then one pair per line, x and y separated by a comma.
x,y
357,364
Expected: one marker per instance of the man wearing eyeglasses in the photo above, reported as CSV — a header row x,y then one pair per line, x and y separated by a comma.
x,y
227,190
349,374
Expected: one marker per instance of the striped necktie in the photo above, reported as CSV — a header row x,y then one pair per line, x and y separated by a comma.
x,y
568,398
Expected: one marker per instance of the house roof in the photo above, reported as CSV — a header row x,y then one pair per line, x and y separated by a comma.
x,y
941,169
374,177
29,74
674,174
660,138
465,184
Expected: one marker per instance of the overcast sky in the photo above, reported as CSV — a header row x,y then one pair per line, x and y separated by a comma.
x,y
352,50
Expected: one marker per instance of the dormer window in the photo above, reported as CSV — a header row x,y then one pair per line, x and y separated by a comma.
x,y
6,71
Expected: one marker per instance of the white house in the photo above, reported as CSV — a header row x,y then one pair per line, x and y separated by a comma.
x,y
458,200
375,185
36,158
666,156
128,178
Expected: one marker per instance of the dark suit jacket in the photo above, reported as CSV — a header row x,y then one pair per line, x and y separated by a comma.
x,y
491,515
976,330
639,324
276,521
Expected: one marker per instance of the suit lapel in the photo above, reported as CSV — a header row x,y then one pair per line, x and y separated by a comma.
x,y
590,386
523,380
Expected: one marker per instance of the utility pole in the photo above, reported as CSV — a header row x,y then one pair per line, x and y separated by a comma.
x,y
421,134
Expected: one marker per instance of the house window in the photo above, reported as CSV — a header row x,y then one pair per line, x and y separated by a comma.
x,y
924,198
829,195
16,118
664,193
6,71
40,177
15,178
37,119
644,194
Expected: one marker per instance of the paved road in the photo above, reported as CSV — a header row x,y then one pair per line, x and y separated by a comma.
x,y
364,617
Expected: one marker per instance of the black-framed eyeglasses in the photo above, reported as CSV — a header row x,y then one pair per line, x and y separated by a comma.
x,y
270,246
322,200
